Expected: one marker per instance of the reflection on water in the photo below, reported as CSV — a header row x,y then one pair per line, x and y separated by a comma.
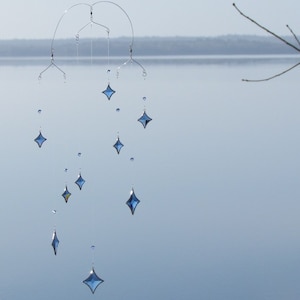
x,y
156,60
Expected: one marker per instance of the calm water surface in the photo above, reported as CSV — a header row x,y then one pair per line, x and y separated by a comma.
x,y
217,173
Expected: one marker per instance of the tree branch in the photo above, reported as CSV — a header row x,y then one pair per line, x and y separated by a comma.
x,y
278,37
266,29
274,76
292,32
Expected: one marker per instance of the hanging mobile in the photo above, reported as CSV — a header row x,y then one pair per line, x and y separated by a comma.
x,y
131,60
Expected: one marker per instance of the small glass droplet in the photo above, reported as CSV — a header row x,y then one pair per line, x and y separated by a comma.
x,y
66,170
39,111
117,109
131,158
144,98
79,154
93,247
108,71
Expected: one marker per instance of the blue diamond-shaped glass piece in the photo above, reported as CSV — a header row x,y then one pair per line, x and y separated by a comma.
x,y
108,92
66,194
80,181
133,201
55,242
93,281
118,145
144,119
40,140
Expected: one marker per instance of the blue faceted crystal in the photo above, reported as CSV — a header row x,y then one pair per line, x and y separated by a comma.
x,y
66,194
55,242
40,140
133,201
118,145
144,119
93,281
80,181
108,92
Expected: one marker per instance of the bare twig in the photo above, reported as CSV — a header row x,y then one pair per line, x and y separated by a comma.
x,y
278,37
274,76
266,29
292,32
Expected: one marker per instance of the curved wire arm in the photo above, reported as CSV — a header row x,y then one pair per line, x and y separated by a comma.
x,y
278,37
131,59
52,63
125,13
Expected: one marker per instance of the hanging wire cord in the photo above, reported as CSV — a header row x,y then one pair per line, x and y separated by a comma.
x,y
130,60
278,37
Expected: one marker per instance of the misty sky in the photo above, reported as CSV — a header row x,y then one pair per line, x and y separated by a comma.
x,y
38,18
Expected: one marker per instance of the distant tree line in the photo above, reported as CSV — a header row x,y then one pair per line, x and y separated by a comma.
x,y
148,46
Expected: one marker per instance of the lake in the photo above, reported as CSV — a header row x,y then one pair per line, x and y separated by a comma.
x,y
216,171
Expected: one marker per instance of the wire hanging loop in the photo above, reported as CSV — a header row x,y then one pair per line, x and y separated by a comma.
x,y
279,38
91,22
132,60
52,64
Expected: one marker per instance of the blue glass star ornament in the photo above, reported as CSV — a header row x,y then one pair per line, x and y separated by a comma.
x,y
55,242
133,201
144,119
40,140
93,281
108,92
118,145
66,194
80,181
